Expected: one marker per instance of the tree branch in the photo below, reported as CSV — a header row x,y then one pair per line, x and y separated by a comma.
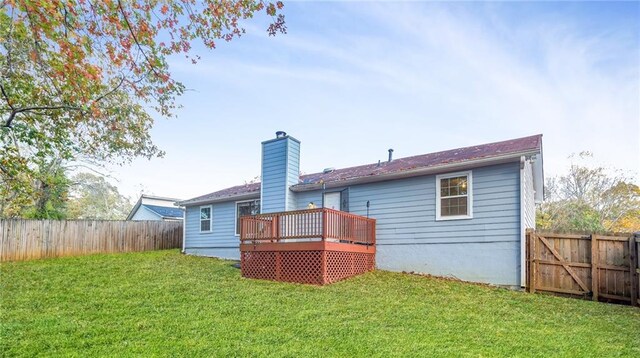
x,y
135,39
6,97
14,112
111,91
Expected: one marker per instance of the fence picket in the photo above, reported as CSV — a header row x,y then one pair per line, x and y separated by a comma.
x,y
595,254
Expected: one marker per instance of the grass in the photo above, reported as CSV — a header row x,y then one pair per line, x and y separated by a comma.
x,y
166,304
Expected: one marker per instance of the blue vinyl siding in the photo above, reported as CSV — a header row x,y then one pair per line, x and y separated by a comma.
x,y
221,241
274,168
304,198
405,208
293,172
280,170
145,214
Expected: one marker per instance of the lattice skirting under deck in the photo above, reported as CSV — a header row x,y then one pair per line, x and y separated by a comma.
x,y
317,267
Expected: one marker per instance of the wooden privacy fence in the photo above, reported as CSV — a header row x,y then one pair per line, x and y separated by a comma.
x,y
597,267
35,239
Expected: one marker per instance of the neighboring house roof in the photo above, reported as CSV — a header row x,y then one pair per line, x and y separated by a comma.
x,y
397,168
168,208
165,212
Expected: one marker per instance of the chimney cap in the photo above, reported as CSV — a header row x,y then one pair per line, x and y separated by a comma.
x,y
281,134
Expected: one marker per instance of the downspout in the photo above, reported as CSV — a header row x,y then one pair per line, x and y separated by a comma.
x,y
184,229
523,237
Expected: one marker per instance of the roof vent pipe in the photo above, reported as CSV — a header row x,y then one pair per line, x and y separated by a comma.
x,y
281,134
390,154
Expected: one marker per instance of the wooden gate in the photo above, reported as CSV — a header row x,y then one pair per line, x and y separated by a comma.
x,y
597,267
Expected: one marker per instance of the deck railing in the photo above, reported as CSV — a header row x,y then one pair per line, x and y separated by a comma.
x,y
308,225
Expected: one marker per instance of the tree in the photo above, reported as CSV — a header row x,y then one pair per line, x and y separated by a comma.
x,y
92,197
51,188
81,77
44,198
590,199
624,215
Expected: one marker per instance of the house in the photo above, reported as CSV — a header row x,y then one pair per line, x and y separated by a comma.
x,y
150,207
460,213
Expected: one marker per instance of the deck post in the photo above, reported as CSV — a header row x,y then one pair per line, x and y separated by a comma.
x,y
324,224
276,227
372,233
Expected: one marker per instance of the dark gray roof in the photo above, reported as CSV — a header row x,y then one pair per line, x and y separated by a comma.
x,y
532,143
165,212
234,191
460,155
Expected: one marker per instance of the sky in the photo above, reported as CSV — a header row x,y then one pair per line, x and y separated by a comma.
x,y
352,79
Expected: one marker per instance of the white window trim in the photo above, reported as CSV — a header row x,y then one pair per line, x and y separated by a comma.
x,y
469,196
235,217
210,219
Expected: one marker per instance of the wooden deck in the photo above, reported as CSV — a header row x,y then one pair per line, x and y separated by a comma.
x,y
315,246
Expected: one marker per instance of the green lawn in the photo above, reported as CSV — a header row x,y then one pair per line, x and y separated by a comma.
x,y
166,304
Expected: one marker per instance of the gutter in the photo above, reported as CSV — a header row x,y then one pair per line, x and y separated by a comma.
x,y
176,218
511,157
523,233
184,232
157,197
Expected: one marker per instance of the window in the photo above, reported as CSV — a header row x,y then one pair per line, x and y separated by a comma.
x,y
453,196
244,208
205,218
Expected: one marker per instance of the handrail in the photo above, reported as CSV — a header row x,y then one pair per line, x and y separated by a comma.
x,y
320,224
